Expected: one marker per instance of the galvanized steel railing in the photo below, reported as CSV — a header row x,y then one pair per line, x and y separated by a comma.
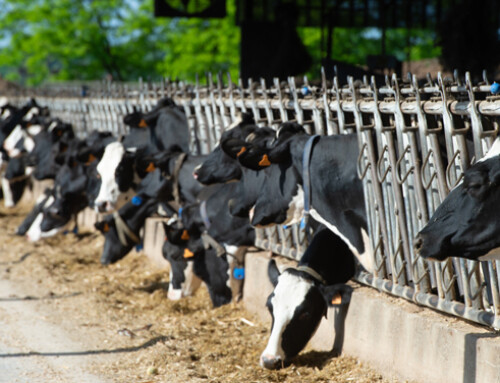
x,y
415,143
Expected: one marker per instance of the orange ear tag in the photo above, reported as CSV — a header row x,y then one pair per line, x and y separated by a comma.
x,y
264,161
185,235
188,253
143,124
91,159
242,150
151,167
105,228
337,299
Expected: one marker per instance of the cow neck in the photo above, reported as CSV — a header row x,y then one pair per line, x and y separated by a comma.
x,y
123,230
313,273
306,174
175,178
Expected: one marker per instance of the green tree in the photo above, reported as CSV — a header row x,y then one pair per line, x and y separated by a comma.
x,y
46,40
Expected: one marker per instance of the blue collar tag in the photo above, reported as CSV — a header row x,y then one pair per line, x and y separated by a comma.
x,y
139,247
303,223
239,273
495,88
136,200
286,227
179,213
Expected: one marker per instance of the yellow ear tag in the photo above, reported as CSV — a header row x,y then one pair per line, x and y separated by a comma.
x,y
264,161
188,253
151,167
105,228
91,159
185,235
337,299
143,124
242,150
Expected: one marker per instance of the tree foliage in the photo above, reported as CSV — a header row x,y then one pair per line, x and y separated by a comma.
x,y
48,40
59,40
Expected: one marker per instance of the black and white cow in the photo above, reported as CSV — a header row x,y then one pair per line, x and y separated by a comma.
x,y
219,166
466,224
74,188
161,131
50,142
302,295
121,229
336,195
191,261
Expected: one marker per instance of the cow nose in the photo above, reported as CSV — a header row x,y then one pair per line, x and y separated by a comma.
x,y
271,362
195,175
101,207
417,244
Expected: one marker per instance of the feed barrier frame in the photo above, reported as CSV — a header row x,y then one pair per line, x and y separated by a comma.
x,y
405,171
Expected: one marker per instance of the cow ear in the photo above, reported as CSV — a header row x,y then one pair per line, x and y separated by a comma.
x,y
258,157
102,226
336,295
272,272
233,147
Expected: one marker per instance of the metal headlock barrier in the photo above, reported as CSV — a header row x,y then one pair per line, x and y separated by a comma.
x,y
415,142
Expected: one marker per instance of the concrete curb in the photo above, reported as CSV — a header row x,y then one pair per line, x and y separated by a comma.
x,y
401,339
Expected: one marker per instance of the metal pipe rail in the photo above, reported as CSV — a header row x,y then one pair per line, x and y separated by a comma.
x,y
415,143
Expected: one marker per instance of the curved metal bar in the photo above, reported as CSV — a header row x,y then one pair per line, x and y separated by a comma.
x,y
381,178
362,173
448,169
398,165
427,184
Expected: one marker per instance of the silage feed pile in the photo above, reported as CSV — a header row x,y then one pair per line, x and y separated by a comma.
x,y
122,313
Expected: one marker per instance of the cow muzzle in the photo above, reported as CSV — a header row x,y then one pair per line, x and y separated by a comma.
x,y
103,206
271,362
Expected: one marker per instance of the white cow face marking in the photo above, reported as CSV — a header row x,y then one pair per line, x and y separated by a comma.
x,y
35,232
6,114
297,307
33,111
188,287
109,192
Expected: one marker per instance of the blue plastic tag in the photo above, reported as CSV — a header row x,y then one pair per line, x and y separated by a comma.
x,y
305,90
139,247
180,213
136,200
239,273
286,227
303,223
495,88
75,230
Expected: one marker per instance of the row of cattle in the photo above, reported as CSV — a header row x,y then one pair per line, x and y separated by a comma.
x,y
255,177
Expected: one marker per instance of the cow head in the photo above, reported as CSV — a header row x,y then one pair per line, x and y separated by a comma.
x,y
466,224
133,217
116,173
219,166
183,281
275,194
297,304
133,214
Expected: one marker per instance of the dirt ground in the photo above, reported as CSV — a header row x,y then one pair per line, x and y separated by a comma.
x,y
122,313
